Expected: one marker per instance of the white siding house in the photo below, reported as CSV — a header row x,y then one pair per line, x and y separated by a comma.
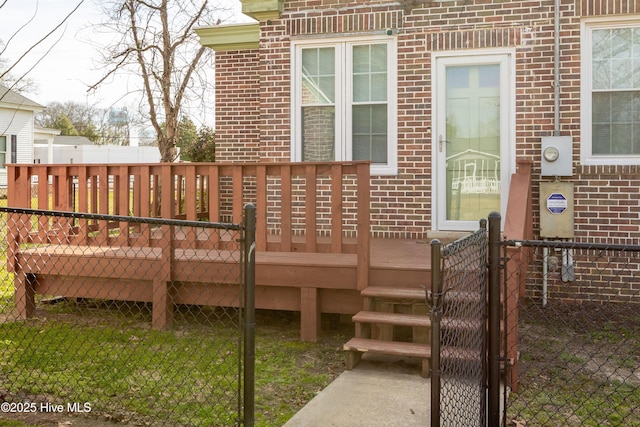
x,y
16,129
78,149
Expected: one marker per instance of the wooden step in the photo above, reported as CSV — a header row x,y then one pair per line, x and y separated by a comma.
x,y
392,318
394,293
357,346
388,347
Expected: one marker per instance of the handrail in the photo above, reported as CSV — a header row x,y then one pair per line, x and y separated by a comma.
x,y
518,226
519,217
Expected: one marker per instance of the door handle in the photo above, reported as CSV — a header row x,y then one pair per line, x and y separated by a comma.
x,y
441,142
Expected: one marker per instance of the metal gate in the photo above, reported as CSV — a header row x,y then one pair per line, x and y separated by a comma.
x,y
458,316
559,316
573,332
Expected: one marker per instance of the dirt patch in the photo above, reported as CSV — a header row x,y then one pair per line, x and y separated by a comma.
x,y
579,365
53,420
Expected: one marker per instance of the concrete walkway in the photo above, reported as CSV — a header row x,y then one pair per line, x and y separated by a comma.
x,y
376,393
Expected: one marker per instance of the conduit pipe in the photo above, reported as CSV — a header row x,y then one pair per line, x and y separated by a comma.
x,y
556,67
567,259
545,271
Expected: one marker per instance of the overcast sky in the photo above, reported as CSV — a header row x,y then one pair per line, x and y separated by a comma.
x,y
65,72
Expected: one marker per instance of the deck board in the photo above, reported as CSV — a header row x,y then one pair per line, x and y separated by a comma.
x,y
311,283
400,254
300,269
304,258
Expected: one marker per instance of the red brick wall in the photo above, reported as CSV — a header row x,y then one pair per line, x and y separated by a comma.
x,y
253,97
607,204
237,100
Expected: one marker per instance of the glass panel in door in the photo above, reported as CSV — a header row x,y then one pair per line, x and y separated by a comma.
x,y
472,141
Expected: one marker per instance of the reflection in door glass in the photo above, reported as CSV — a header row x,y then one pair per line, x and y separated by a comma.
x,y
473,141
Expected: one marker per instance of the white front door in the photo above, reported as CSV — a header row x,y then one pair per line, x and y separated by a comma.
x,y
472,139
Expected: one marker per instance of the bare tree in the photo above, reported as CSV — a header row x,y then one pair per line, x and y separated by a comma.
x,y
156,41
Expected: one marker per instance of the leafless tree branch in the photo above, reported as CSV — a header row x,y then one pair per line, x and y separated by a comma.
x,y
43,38
158,42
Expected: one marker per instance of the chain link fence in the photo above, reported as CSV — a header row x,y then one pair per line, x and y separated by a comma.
x,y
578,335
458,328
130,320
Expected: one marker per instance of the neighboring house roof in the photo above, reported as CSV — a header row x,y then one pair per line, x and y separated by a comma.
x,y
71,140
12,99
44,135
46,131
65,140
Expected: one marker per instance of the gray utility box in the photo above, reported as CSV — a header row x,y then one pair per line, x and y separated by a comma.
x,y
557,156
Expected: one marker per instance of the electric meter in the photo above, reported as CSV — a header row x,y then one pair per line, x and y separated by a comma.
x,y
551,154
557,156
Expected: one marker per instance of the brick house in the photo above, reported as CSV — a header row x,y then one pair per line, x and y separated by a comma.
x,y
444,97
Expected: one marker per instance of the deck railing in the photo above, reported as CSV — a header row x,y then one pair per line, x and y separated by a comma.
x,y
301,207
518,225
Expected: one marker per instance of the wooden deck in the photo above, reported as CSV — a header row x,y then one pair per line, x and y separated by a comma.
x,y
314,252
310,283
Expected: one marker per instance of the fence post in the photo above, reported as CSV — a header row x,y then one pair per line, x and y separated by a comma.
x,y
249,314
494,321
436,314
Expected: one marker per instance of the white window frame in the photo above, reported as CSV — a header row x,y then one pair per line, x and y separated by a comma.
x,y
586,84
343,144
7,151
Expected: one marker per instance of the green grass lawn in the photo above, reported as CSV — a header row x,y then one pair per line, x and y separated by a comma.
x,y
147,373
185,376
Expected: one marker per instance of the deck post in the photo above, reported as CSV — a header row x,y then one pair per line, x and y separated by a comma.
x,y
364,226
162,304
162,285
24,294
309,314
19,194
